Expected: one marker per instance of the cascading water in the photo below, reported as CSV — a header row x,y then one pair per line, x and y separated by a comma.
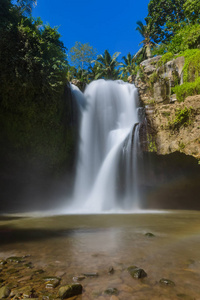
x,y
109,145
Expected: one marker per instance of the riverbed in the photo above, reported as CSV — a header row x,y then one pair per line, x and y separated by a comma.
x,y
104,246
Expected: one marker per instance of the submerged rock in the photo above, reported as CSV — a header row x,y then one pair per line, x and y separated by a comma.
x,y
111,291
149,234
78,278
91,274
4,292
165,281
15,259
3,262
111,270
52,282
70,290
136,272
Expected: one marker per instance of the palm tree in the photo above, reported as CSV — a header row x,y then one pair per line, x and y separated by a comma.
x,y
106,65
128,66
145,31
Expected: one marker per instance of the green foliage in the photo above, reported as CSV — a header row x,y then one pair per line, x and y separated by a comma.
x,y
165,58
25,6
153,78
159,49
164,18
182,118
81,55
145,31
128,67
106,66
33,110
187,37
181,145
151,143
191,70
192,10
187,89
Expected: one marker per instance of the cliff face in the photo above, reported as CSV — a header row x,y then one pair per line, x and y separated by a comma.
x,y
172,126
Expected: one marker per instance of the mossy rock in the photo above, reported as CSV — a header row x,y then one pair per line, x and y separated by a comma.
x,y
52,282
15,259
111,291
149,234
166,282
70,290
136,272
4,292
91,274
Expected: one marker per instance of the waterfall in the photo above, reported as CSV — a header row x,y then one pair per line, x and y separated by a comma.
x,y
107,167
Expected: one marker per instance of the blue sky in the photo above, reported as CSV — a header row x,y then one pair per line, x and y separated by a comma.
x,y
105,24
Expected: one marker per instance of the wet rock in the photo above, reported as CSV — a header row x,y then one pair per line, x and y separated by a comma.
x,y
52,282
39,271
91,274
165,281
111,270
4,292
71,290
149,234
111,291
25,292
28,265
15,259
25,278
12,271
78,278
136,272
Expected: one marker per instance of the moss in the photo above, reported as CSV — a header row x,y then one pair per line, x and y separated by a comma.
x,y
165,113
181,145
165,58
151,143
187,89
182,118
153,77
191,69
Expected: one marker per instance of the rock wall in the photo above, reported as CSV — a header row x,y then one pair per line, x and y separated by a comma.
x,y
155,82
172,126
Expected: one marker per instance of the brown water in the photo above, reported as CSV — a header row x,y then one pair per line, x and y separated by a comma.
x,y
93,243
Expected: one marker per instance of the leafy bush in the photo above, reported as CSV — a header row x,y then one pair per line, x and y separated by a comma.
x,y
191,69
186,38
187,89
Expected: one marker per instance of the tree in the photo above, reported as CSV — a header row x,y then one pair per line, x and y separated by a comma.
x,y
165,17
145,32
26,6
81,55
128,66
192,10
106,65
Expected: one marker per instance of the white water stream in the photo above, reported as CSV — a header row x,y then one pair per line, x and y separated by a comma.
x,y
109,134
